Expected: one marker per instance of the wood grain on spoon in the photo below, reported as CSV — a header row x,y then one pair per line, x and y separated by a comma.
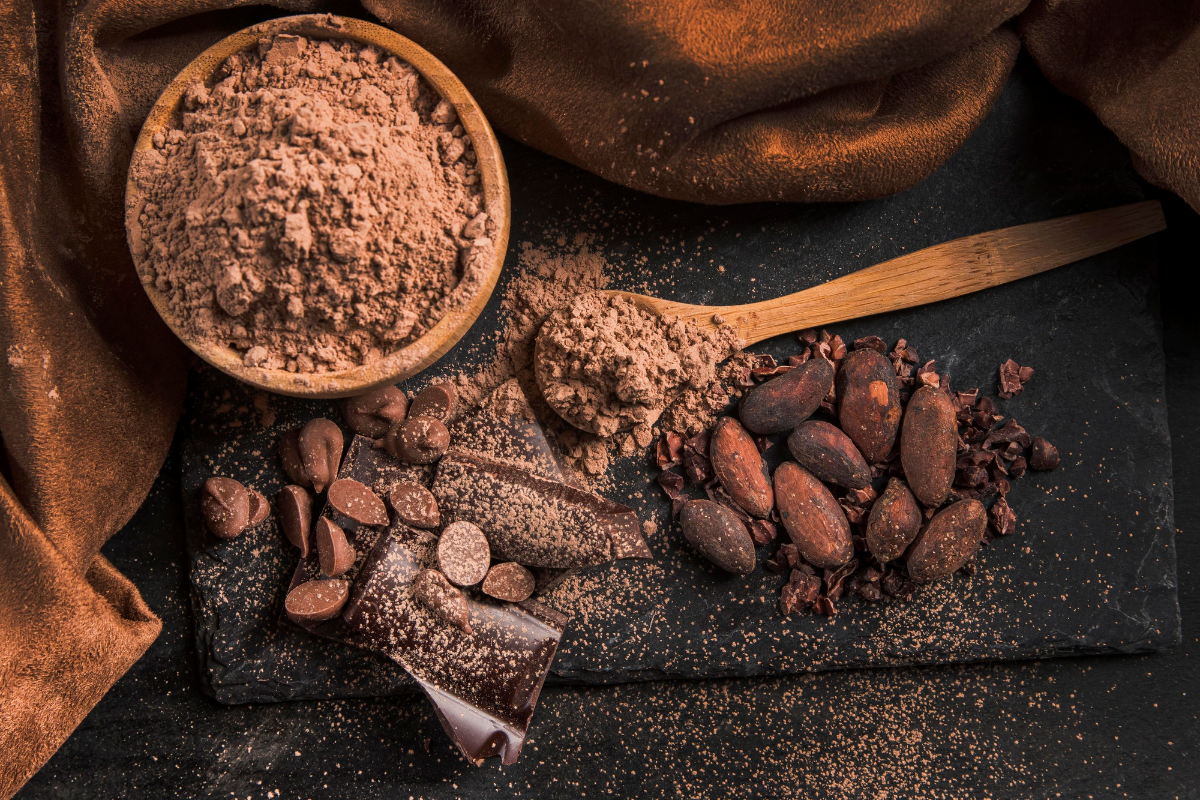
x,y
939,272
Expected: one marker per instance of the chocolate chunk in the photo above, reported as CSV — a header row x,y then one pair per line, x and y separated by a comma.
x,y
418,440
316,601
374,413
436,402
509,581
534,521
718,535
505,429
293,504
1043,456
289,456
225,505
446,602
333,548
485,709
259,507
463,553
356,501
321,451
415,505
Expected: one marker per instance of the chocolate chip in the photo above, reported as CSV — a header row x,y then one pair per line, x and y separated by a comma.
x,y
358,502
289,457
333,549
509,581
225,505
259,507
415,505
321,451
374,413
418,440
1043,456
293,504
316,601
444,600
435,402
463,553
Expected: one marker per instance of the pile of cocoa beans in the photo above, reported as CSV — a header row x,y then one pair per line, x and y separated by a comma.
x,y
889,481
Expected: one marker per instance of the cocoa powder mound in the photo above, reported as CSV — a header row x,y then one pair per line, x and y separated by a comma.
x,y
315,207
608,365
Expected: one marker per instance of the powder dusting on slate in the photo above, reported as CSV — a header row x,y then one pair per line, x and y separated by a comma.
x,y
315,207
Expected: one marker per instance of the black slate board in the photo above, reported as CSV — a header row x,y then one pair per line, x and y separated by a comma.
x,y
1092,571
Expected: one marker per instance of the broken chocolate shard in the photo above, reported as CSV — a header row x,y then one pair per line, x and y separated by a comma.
x,y
484,685
534,521
504,428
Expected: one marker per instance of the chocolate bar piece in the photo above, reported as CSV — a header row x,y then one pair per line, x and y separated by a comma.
x,y
504,429
534,521
483,684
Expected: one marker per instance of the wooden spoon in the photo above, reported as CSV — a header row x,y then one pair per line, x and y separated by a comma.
x,y
946,270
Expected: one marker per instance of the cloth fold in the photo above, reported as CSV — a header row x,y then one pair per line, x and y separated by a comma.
x,y
709,102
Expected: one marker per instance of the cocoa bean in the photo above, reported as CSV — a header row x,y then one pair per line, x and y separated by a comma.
x,y
740,467
813,519
718,535
894,522
784,402
947,542
929,445
869,403
828,453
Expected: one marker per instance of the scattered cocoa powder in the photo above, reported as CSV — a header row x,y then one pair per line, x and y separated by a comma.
x,y
315,207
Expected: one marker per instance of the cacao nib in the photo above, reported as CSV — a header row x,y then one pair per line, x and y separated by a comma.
x,y
873,342
671,483
825,606
670,450
1001,518
762,531
1044,455
795,361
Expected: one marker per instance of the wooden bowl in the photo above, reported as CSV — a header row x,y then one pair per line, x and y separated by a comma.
x,y
417,355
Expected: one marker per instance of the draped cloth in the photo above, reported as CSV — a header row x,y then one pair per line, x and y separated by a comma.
x,y
713,102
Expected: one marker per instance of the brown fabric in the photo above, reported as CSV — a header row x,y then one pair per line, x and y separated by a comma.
x,y
715,102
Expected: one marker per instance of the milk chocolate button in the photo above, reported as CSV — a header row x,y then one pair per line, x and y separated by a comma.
x,y
259,507
373,413
418,440
289,457
225,504
435,402
444,600
358,502
333,549
293,504
415,505
316,601
463,553
509,581
321,451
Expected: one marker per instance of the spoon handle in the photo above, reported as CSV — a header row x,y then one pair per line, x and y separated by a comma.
x,y
942,271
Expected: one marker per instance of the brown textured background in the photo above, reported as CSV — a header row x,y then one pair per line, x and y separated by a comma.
x,y
712,102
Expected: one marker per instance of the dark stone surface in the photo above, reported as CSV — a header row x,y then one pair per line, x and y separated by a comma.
x,y
1087,727
1092,570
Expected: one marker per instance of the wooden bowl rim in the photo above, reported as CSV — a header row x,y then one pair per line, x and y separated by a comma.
x,y
446,332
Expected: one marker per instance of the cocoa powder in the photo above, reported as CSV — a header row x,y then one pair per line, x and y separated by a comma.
x,y
314,207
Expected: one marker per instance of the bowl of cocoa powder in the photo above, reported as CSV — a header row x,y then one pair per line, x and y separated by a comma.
x,y
317,206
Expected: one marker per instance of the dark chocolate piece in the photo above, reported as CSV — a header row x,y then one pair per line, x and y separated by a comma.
x,y
442,598
436,402
463,554
374,413
485,684
289,458
534,521
316,601
415,505
320,446
225,505
509,581
293,505
356,501
505,429
417,440
259,507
